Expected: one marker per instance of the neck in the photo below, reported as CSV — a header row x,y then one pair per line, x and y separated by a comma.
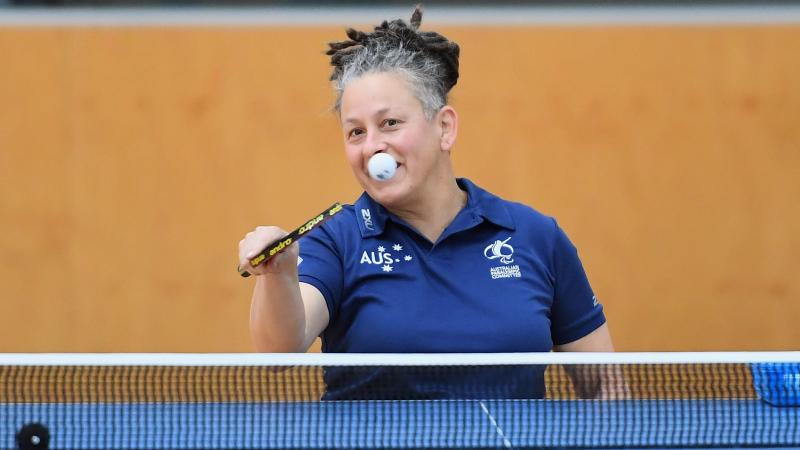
x,y
432,211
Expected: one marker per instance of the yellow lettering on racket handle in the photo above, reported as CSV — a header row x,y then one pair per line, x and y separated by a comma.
x,y
277,246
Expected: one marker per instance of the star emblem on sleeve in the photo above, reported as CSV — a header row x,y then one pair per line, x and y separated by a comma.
x,y
397,247
386,268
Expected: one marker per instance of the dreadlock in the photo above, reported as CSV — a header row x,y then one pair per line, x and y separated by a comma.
x,y
428,60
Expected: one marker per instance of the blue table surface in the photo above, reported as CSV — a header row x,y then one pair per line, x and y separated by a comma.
x,y
410,424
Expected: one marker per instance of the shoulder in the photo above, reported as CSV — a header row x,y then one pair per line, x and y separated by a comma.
x,y
539,230
347,217
524,218
340,226
529,218
334,237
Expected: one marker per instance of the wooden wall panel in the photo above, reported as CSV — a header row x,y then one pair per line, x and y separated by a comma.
x,y
36,215
133,160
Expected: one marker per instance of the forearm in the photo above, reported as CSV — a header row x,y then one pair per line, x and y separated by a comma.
x,y
590,381
277,315
602,382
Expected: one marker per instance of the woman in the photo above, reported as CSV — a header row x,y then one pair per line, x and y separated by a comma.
x,y
423,262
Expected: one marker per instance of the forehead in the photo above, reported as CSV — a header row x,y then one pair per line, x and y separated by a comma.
x,y
378,93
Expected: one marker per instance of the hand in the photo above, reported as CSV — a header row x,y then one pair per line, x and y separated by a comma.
x,y
255,241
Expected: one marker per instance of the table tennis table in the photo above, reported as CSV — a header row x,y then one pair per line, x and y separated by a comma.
x,y
716,423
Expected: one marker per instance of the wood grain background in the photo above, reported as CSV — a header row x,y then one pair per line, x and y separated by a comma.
x,y
133,160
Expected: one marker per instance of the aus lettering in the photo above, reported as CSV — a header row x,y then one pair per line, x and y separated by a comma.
x,y
376,258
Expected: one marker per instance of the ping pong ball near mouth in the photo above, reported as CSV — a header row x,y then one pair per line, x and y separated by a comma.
x,y
382,166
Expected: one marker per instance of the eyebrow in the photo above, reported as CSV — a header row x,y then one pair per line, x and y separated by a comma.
x,y
379,112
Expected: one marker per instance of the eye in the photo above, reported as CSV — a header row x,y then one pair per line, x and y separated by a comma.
x,y
391,122
355,132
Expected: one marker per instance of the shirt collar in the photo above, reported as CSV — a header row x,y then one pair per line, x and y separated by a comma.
x,y
486,205
372,216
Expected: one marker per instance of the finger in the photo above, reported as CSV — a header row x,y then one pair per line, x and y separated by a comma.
x,y
255,241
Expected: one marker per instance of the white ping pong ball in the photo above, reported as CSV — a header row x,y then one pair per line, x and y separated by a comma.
x,y
382,166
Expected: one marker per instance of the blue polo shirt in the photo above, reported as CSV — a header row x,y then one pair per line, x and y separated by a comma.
x,y
501,278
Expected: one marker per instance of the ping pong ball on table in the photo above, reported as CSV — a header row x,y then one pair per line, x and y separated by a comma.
x,y
382,166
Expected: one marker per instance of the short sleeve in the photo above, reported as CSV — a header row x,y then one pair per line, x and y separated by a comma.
x,y
576,311
320,265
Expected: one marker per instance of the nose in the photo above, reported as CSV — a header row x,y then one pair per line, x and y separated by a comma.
x,y
374,144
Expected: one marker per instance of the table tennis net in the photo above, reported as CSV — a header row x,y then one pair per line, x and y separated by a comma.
x,y
69,384
408,403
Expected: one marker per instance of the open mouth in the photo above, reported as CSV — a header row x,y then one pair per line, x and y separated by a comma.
x,y
382,166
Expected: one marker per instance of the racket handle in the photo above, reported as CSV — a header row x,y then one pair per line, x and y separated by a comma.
x,y
278,245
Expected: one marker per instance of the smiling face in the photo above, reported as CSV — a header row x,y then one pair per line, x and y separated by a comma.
x,y
380,113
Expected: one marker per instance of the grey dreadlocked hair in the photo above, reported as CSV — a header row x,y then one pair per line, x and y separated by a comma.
x,y
428,60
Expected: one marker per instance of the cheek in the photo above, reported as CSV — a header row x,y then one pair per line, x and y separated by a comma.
x,y
353,156
419,146
407,144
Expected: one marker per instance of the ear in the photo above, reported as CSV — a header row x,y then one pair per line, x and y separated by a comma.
x,y
447,120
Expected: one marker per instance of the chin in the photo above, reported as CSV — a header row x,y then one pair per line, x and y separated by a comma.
x,y
388,194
